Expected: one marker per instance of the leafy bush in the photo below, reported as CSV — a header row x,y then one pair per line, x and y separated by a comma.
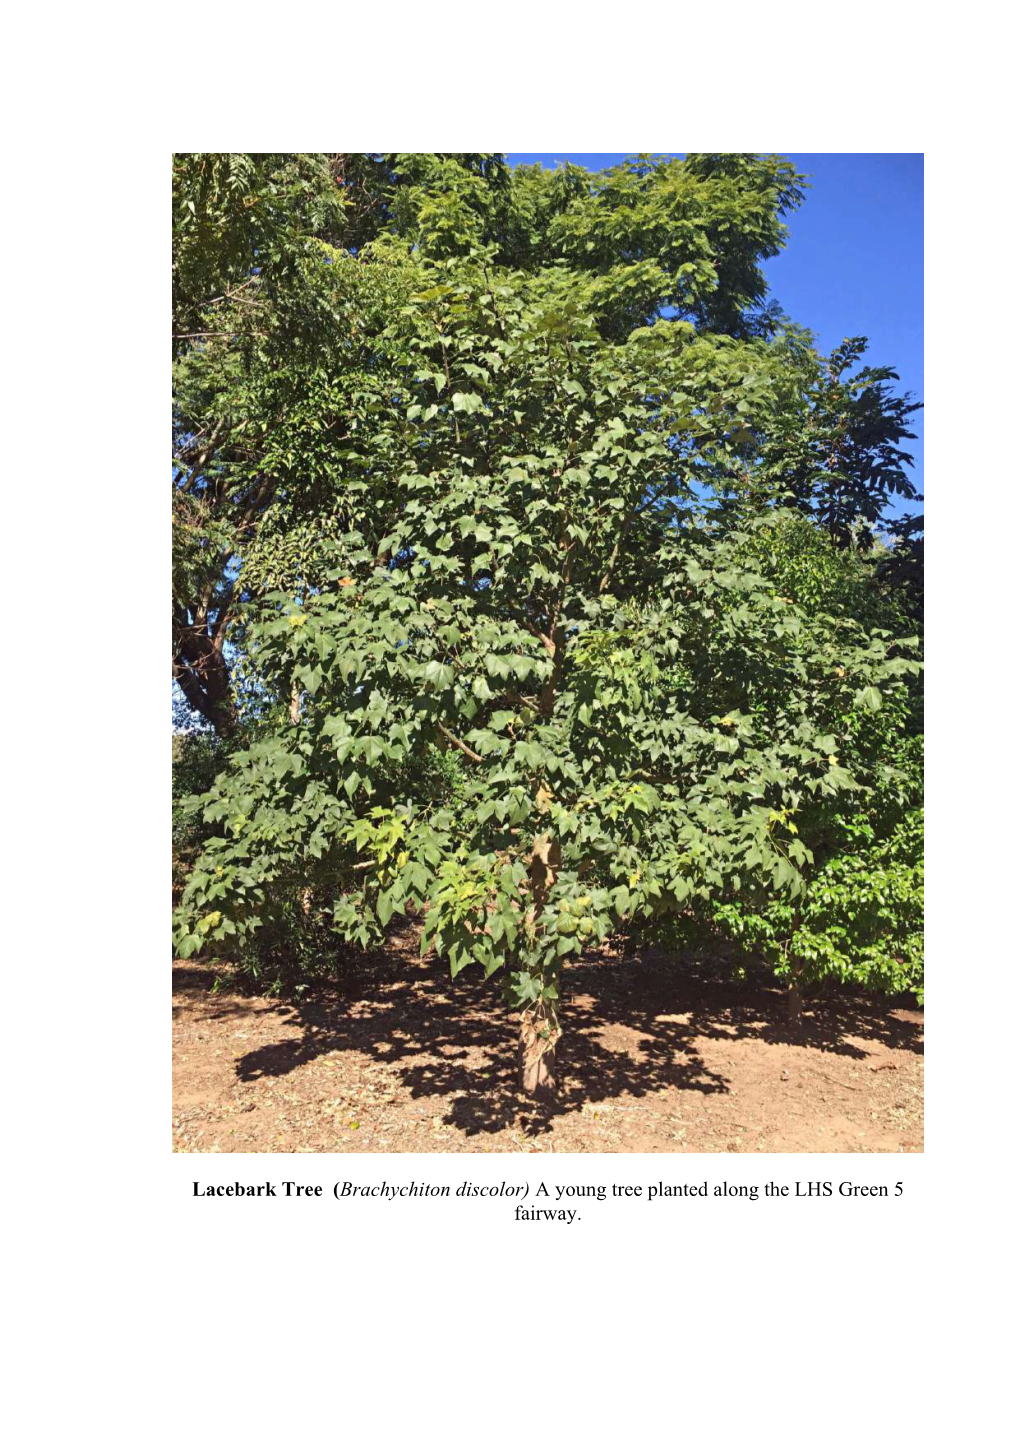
x,y
290,937
197,757
861,921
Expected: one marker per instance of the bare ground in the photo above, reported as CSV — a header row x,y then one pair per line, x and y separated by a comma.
x,y
655,1058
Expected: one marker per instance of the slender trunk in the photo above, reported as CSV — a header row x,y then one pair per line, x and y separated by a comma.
x,y
793,1004
794,999
540,1031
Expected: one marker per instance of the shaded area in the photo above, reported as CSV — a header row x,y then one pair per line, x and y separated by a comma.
x,y
655,1027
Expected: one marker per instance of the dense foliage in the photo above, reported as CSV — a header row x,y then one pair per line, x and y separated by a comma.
x,y
548,557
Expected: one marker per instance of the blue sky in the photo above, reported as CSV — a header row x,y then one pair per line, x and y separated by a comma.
x,y
854,261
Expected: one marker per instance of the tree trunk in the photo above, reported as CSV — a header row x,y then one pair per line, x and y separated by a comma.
x,y
794,999
200,669
793,1004
540,1032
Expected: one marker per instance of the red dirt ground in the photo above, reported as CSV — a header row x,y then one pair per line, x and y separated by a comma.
x,y
654,1058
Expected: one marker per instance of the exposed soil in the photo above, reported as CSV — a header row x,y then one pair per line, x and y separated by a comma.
x,y
656,1057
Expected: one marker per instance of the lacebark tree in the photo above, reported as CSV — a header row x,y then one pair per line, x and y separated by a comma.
x,y
523,576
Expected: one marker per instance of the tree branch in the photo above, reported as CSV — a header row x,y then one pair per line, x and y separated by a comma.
x,y
474,756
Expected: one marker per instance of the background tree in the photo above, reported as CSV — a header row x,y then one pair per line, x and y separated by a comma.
x,y
263,311
859,917
839,456
249,232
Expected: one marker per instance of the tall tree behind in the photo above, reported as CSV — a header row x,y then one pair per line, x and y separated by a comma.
x,y
242,229
263,305
840,457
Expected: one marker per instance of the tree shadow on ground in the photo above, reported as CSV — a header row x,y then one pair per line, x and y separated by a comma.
x,y
632,1027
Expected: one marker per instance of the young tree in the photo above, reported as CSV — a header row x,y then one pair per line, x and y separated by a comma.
x,y
523,576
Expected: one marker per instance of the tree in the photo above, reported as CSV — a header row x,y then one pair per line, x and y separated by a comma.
x,y
523,575
838,457
859,917
249,236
